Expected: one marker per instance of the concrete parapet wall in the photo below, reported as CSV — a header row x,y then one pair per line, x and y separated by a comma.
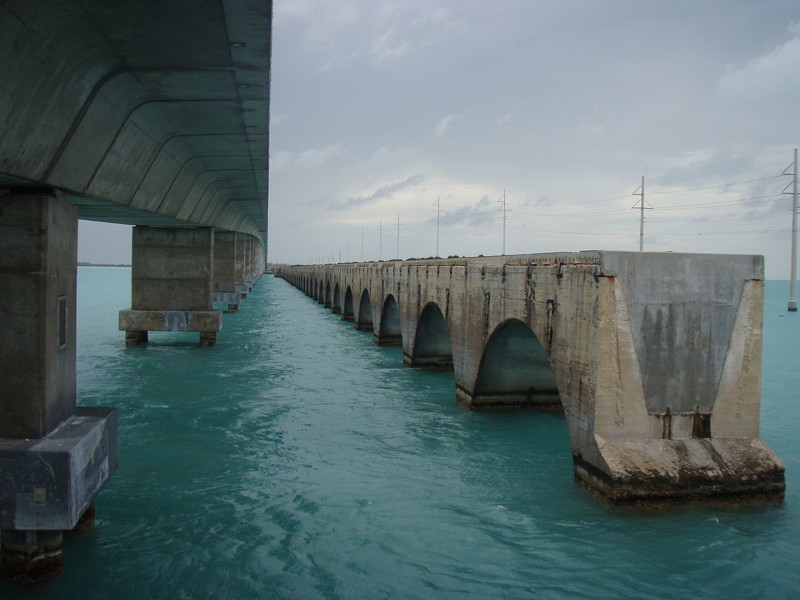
x,y
652,354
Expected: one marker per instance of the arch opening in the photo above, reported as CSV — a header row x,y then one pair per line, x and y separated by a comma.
x,y
432,349
327,299
320,295
514,372
336,307
347,307
364,317
389,333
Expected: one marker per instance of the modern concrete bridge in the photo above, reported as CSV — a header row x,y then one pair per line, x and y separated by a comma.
x,y
152,113
655,358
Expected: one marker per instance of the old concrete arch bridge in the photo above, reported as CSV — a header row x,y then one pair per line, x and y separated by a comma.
x,y
655,357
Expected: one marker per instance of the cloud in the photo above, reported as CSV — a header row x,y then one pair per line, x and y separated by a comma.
x,y
315,157
280,160
385,48
476,215
383,192
326,20
445,122
504,123
770,77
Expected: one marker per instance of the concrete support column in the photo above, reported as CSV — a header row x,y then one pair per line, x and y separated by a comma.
x,y
173,274
242,264
225,291
38,283
31,556
258,254
54,456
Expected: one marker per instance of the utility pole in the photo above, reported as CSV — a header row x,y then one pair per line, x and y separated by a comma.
x,y
362,244
642,207
380,240
793,278
438,215
398,237
504,209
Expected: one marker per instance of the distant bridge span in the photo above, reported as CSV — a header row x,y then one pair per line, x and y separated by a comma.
x,y
655,357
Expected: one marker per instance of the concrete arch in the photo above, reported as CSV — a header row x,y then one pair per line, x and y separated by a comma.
x,y
389,333
432,347
347,307
327,299
336,306
364,317
319,296
514,370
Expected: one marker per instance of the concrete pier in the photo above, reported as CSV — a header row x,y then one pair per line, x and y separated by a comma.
x,y
654,357
238,264
55,457
226,272
172,280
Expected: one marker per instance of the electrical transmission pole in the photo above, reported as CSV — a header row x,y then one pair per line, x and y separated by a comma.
x,y
380,240
642,207
438,215
398,237
793,278
362,244
504,209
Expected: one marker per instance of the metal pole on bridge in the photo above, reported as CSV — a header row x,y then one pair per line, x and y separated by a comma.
x,y
793,278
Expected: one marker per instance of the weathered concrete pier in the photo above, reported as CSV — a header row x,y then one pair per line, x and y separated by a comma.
x,y
655,358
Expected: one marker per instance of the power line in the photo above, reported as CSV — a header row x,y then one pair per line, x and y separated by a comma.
x,y
711,187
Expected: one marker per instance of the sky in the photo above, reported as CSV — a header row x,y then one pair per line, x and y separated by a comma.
x,y
553,109
440,114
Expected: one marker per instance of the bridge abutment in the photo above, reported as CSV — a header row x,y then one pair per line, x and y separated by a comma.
x,y
172,279
54,455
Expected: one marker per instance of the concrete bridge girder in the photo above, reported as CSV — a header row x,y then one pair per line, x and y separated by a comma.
x,y
153,115
654,357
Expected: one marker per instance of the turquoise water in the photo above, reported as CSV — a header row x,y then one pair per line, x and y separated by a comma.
x,y
296,460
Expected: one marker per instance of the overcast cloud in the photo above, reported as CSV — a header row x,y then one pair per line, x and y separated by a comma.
x,y
381,107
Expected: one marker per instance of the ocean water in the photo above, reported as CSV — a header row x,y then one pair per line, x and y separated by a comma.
x,y
296,460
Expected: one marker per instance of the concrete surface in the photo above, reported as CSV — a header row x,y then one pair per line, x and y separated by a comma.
x,y
655,357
